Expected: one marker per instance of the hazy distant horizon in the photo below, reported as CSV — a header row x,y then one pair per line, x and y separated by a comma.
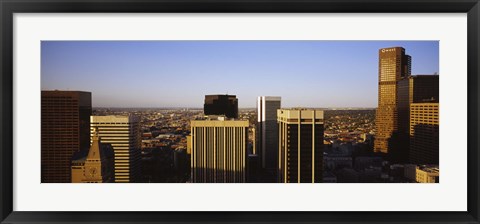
x,y
240,108
178,74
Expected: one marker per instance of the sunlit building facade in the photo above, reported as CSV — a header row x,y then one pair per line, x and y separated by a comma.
x,y
219,151
424,133
124,134
427,174
393,66
95,165
300,152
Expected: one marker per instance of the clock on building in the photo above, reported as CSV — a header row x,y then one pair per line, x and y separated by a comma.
x,y
92,171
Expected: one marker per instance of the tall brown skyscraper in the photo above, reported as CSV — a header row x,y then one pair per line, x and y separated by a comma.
x,y
300,146
393,66
65,129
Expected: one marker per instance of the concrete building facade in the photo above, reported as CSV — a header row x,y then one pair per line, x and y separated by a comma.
x,y
427,174
94,166
424,133
219,151
124,134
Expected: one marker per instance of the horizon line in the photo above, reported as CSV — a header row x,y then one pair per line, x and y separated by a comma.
x,y
182,107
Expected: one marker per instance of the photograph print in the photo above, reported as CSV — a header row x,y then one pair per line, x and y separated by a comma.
x,y
240,112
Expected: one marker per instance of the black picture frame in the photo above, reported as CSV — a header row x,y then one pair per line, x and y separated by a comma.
x,y
9,7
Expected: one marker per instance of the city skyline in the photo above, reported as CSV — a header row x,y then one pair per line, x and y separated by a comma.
x,y
396,143
140,73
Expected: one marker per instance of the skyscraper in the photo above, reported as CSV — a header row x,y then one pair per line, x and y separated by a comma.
x,y
415,89
65,127
424,133
300,145
123,133
412,89
267,130
226,105
219,151
393,65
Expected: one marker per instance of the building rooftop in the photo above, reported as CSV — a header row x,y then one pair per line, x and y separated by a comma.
x,y
80,156
219,123
270,98
114,118
429,168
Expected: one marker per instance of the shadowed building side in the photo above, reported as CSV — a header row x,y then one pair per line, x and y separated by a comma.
x,y
413,89
267,134
300,145
65,125
226,105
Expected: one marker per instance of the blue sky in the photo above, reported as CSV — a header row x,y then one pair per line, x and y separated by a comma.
x,y
180,73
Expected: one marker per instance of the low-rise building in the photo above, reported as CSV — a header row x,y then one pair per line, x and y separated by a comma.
x,y
427,174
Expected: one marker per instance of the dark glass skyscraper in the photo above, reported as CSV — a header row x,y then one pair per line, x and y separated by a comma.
x,y
393,66
267,130
65,130
411,89
415,89
226,105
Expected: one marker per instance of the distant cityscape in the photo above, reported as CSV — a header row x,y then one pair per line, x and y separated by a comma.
x,y
397,142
